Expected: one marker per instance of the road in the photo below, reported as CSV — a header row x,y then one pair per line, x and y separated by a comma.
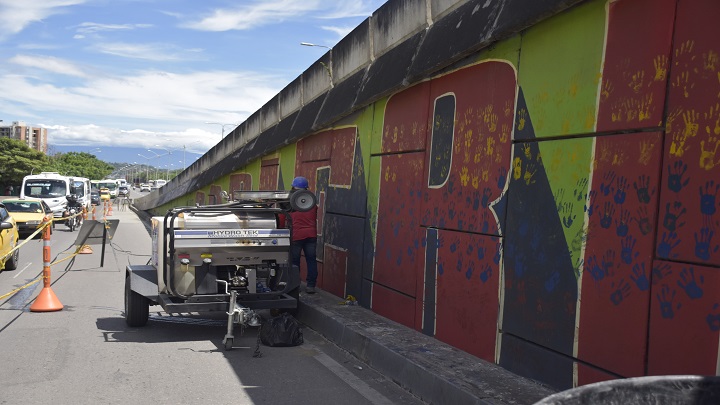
x,y
86,353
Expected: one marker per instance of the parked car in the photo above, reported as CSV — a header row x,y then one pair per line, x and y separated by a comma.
x,y
29,213
145,187
104,194
9,238
95,197
123,190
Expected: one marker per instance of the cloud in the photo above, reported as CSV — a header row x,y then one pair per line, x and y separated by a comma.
x,y
91,28
16,15
154,52
48,63
341,32
260,13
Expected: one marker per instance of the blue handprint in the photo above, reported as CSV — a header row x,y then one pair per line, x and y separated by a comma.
x,y
621,193
470,269
643,220
666,298
481,253
502,177
642,188
622,224
441,268
639,277
713,320
675,176
688,283
487,193
496,257
672,216
628,245
596,271
606,186
590,205
580,192
486,274
702,244
552,282
708,198
567,215
451,210
667,244
660,272
620,293
607,218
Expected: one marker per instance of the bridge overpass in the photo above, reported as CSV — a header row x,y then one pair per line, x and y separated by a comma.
x,y
516,178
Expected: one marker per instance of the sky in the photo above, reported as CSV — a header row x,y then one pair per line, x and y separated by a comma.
x,y
156,82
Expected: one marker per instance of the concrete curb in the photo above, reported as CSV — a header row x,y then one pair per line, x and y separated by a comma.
x,y
435,372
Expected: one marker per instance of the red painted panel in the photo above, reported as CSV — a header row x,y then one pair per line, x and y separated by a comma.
x,y
632,93
343,157
215,197
269,177
467,293
393,305
684,319
334,279
689,217
241,181
406,120
200,198
309,171
619,251
398,259
485,98
315,147
590,375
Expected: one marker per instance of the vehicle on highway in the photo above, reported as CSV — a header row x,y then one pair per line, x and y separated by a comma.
x,y
73,212
229,257
52,187
109,184
105,194
9,238
95,197
29,213
144,187
123,191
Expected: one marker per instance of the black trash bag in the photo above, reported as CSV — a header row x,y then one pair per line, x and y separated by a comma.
x,y
282,330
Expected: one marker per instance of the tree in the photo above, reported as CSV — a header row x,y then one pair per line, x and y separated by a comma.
x,y
80,164
17,160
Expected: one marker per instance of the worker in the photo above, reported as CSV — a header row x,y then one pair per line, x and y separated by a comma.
x,y
304,236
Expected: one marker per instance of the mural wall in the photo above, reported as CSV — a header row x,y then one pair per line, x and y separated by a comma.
x,y
549,205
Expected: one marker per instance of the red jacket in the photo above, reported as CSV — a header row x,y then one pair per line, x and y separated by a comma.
x,y
304,223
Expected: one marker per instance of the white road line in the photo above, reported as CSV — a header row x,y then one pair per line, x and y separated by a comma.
x,y
23,269
357,384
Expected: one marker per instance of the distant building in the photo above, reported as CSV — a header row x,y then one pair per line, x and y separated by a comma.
x,y
34,138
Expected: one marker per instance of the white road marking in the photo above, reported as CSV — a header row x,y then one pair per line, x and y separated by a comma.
x,y
23,269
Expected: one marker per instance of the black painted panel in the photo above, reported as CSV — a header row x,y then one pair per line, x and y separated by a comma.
x,y
340,101
533,361
346,232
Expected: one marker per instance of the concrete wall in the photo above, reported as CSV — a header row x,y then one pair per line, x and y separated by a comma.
x,y
535,183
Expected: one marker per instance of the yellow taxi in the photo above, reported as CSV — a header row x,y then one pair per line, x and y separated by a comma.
x,y
8,240
104,194
29,213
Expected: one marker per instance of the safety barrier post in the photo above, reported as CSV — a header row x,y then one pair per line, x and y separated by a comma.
x,y
110,208
94,208
46,301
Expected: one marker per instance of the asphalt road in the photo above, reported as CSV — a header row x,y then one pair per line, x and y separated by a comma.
x,y
86,354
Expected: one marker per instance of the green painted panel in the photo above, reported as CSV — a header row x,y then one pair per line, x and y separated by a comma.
x,y
560,65
288,155
508,50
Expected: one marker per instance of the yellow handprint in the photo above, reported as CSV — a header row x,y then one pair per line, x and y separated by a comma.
x,y
527,151
505,133
684,48
464,176
644,107
646,152
508,108
607,89
661,66
677,146
714,112
636,81
475,181
490,146
521,119
710,60
691,125
683,81
517,168
707,157
529,173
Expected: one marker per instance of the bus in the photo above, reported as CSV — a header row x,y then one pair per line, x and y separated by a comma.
x,y
154,184
109,184
52,187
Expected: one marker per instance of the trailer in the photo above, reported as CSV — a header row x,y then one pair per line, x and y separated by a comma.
x,y
229,257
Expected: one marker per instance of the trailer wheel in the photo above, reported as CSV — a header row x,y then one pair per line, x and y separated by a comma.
x,y
12,262
137,307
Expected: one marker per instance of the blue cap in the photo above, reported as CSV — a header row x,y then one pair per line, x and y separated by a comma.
x,y
300,182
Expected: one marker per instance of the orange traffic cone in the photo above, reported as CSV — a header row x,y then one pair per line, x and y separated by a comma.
x,y
109,209
46,300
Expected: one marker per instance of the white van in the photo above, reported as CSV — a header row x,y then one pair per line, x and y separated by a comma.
x,y
52,187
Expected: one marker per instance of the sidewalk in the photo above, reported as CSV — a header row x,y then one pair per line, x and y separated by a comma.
x,y
434,371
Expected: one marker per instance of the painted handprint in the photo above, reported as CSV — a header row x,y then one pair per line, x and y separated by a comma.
x,y
673,212
502,177
675,176
666,297
608,214
470,270
659,272
668,242
628,245
621,225
639,277
606,186
688,283
643,221
621,292
580,192
621,193
487,193
713,319
703,243
642,189
590,205
486,274
708,197
567,215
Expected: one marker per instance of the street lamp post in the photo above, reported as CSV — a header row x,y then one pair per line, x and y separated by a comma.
x,y
328,69
222,133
